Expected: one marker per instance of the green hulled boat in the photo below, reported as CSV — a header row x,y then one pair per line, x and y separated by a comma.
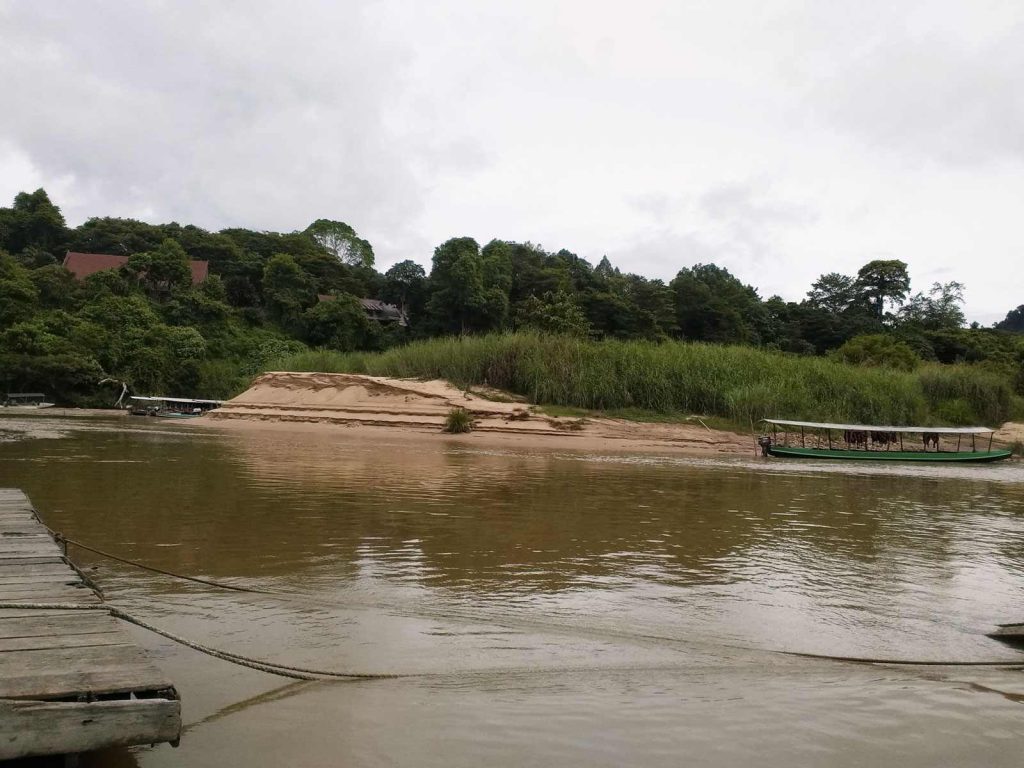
x,y
856,442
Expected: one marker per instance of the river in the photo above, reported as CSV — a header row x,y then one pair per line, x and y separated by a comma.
x,y
555,608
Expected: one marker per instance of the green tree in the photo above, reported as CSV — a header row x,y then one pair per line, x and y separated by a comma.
x,y
883,281
121,237
1014,320
832,292
941,307
57,286
341,241
554,313
712,305
339,323
163,270
288,291
405,285
18,296
878,349
461,299
32,222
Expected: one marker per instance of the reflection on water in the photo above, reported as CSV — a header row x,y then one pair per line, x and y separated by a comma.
x,y
563,608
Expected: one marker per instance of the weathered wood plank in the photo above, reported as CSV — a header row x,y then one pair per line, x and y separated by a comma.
x,y
62,640
36,728
18,613
20,593
31,569
61,672
19,561
35,578
48,655
84,622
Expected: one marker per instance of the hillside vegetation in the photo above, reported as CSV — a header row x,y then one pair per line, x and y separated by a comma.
x,y
741,384
586,335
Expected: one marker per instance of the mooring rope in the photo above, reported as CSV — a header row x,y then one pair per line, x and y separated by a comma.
x,y
295,671
110,556
271,667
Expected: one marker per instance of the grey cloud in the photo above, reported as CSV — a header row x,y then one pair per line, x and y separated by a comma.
x,y
931,96
251,114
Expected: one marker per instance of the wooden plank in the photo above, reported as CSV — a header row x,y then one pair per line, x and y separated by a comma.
x,y
31,569
53,654
62,672
35,578
19,613
36,728
61,640
84,622
21,593
17,561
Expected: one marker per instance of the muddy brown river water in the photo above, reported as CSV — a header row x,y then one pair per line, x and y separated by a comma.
x,y
559,609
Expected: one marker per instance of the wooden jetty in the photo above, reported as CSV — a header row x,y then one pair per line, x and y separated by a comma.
x,y
71,680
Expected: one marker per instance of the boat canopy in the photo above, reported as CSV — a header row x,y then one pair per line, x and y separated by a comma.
x,y
174,400
864,428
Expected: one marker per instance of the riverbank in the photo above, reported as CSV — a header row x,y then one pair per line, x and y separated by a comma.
x,y
368,404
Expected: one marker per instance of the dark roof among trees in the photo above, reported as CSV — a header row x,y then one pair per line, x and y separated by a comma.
x,y
81,265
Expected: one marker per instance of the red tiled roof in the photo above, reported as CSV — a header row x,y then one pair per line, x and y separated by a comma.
x,y
81,265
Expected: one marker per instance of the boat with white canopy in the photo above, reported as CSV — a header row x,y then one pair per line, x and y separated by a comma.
x,y
821,440
171,407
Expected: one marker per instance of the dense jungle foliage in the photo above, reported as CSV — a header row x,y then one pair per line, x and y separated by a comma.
x,y
145,324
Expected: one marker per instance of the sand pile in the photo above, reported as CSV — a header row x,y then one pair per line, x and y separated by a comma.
x,y
1010,433
354,400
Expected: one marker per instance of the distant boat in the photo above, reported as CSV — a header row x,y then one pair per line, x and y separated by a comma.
x,y
818,440
171,407
26,400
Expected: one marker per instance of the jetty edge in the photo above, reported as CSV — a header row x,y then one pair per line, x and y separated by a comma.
x,y
72,679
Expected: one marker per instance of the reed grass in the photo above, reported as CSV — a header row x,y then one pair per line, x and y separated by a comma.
x,y
458,421
738,383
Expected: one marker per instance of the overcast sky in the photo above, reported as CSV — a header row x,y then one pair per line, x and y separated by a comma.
x,y
778,139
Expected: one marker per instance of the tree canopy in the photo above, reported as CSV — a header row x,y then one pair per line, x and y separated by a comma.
x,y
274,293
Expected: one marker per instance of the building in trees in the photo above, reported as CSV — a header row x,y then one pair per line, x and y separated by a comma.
x,y
81,265
379,311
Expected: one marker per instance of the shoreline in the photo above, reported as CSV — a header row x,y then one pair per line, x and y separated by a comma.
x,y
305,401
716,443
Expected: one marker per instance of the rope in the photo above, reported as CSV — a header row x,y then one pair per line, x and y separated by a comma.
x,y
301,670
283,670
273,668
153,569
902,662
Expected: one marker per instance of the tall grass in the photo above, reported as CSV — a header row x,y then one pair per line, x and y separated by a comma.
x,y
738,383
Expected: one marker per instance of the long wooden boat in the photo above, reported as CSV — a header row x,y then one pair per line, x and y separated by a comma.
x,y
26,401
171,407
788,439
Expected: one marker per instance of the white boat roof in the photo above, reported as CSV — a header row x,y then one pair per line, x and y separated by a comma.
x,y
174,400
865,428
